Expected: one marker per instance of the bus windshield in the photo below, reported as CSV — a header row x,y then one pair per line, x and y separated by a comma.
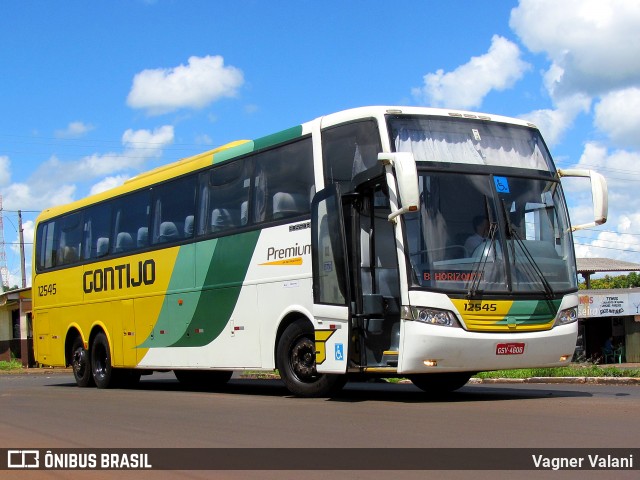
x,y
474,142
487,233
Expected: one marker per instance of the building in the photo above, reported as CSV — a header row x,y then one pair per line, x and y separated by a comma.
x,y
16,332
608,314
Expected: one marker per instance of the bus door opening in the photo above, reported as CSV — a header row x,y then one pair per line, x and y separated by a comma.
x,y
376,322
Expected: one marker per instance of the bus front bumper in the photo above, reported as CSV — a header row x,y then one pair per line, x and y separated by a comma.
x,y
432,349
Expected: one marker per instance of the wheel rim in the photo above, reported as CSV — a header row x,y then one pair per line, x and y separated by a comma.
x,y
303,360
100,364
80,362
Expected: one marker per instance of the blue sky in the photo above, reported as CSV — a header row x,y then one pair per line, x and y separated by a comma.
x,y
92,93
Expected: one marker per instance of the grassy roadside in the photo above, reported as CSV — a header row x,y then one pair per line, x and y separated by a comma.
x,y
11,365
574,370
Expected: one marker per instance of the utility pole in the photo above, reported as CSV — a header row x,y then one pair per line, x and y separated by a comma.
x,y
22,262
4,271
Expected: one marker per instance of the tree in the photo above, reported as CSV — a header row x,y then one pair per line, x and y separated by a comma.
x,y
608,282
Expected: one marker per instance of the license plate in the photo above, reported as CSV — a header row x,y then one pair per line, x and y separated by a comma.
x,y
510,349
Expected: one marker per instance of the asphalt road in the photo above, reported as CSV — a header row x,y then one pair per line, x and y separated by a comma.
x,y
49,411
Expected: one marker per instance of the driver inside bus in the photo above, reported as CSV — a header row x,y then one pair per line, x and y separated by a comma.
x,y
481,230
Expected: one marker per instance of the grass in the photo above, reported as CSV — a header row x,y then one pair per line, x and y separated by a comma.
x,y
576,370
10,365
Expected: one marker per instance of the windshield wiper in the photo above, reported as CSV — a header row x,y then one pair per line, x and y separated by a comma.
x,y
513,234
478,268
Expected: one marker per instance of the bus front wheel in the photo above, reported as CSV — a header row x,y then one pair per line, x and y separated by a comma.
x,y
101,361
296,361
439,383
81,364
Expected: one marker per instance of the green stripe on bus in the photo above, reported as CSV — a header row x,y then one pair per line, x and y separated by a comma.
x,y
532,312
233,152
279,137
258,144
223,283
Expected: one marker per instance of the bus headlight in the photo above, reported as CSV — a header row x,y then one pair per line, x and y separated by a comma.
x,y
432,316
567,316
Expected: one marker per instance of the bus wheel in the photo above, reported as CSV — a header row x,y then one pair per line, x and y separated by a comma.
x,y
438,383
203,379
296,361
81,364
101,362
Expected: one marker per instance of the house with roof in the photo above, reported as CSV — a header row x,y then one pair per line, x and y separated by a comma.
x,y
16,332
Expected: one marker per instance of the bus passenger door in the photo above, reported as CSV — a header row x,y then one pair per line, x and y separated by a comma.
x,y
331,289
376,312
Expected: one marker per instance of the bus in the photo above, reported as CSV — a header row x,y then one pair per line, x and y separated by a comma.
x,y
387,242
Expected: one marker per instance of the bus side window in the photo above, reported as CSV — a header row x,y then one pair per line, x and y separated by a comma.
x,y
348,150
46,246
173,208
130,215
70,240
97,223
224,196
283,182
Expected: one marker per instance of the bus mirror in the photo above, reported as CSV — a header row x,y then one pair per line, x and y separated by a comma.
x,y
599,193
407,178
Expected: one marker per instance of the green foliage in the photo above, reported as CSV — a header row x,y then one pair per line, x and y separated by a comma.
x,y
609,282
579,370
10,365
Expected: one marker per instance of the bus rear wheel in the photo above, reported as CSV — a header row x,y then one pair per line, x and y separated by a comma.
x,y
439,383
296,361
81,364
101,362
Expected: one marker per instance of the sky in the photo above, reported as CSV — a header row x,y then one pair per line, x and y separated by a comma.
x,y
94,92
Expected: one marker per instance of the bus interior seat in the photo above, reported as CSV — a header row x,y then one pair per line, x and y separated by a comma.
x,y
102,246
143,237
124,241
168,232
244,213
69,254
221,219
288,204
188,226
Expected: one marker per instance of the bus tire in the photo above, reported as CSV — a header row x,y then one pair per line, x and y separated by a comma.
x,y
203,379
81,364
296,361
103,374
439,383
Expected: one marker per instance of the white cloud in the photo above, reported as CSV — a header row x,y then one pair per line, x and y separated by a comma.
x,y
618,115
467,85
139,146
40,191
618,237
554,123
196,85
108,183
5,170
592,44
23,196
74,130
620,167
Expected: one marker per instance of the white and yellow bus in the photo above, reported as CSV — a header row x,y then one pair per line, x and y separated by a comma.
x,y
379,241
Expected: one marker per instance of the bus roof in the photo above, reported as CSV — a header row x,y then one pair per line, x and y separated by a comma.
x,y
242,147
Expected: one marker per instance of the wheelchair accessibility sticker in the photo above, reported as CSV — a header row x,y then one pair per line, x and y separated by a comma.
x,y
339,351
502,184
